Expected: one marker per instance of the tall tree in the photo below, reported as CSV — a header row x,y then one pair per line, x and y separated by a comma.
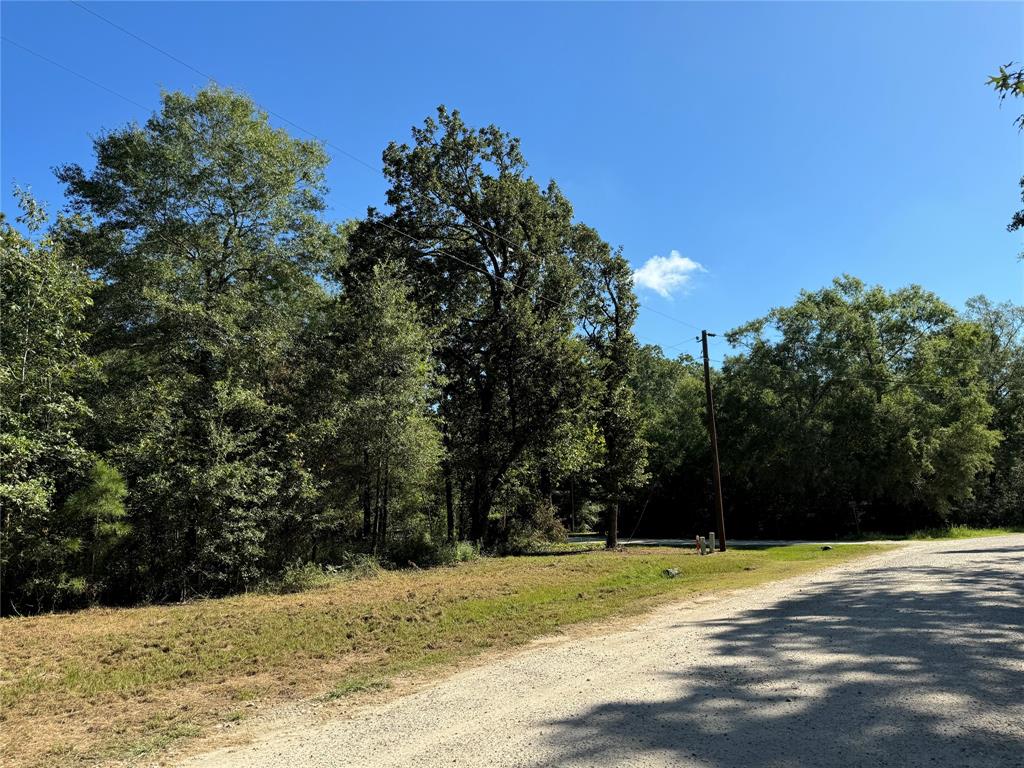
x,y
367,418
610,309
45,531
489,252
670,396
857,402
389,391
207,248
1000,494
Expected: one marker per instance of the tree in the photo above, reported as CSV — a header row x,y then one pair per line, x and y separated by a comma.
x,y
1010,82
610,309
860,404
97,509
45,293
670,397
489,254
207,248
1000,493
375,432
390,422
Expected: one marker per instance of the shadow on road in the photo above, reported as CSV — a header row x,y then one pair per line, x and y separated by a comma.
x,y
981,551
917,667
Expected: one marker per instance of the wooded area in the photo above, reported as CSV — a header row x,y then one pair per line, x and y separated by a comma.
x,y
205,381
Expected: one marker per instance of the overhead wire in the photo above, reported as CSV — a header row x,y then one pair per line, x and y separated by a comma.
x,y
341,150
385,224
57,64
897,379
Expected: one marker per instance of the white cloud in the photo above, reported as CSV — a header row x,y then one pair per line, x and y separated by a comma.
x,y
666,274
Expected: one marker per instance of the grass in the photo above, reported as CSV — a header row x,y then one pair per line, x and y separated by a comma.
x,y
962,532
951,532
568,547
106,684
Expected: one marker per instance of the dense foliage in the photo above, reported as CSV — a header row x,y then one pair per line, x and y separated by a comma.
x,y
206,383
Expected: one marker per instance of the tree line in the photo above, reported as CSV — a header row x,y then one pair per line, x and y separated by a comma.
x,y
206,381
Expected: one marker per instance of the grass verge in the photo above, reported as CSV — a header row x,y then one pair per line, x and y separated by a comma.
x,y
962,532
105,684
934,534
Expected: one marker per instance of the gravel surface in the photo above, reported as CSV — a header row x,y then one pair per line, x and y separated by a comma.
x,y
911,658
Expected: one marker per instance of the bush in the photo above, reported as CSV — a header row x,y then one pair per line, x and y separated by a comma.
x,y
522,536
302,578
464,551
356,565
421,551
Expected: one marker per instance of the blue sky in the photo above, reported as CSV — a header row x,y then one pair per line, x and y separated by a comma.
x,y
774,145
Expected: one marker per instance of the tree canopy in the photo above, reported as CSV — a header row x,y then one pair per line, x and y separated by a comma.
x,y
1009,82
206,382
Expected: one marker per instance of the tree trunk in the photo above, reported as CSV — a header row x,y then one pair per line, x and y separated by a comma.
x,y
448,503
384,507
376,511
478,511
612,540
367,511
481,505
572,505
545,483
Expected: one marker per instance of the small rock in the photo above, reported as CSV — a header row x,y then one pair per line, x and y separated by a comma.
x,y
671,572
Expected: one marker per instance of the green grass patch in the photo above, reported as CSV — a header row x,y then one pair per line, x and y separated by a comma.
x,y
962,532
950,532
131,681
357,685
567,548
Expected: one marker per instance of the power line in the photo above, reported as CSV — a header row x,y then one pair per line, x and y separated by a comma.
x,y
681,344
57,64
441,252
211,78
810,345
325,141
904,380
392,228
886,357
917,335
180,244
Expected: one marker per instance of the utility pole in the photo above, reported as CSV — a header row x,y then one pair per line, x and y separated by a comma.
x,y
712,431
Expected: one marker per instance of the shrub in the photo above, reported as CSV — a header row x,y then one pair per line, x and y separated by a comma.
x,y
540,529
356,565
302,577
421,551
464,551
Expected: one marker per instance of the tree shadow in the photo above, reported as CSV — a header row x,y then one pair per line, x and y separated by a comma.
x,y
983,551
912,667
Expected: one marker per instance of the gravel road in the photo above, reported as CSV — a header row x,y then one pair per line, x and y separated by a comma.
x,y
911,658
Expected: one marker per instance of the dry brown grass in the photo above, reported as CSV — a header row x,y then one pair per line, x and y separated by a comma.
x,y
119,684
